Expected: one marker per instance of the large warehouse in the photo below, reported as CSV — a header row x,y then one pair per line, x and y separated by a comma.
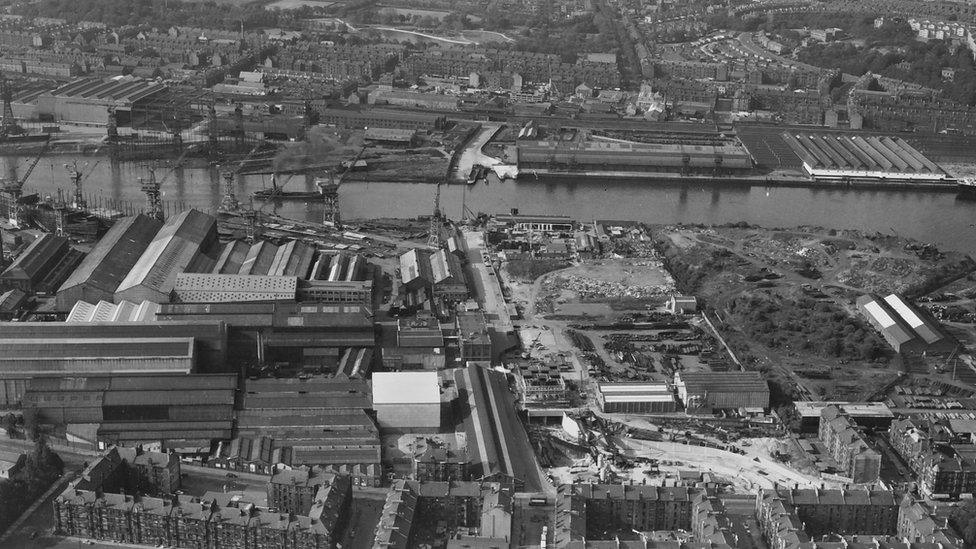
x,y
407,400
183,240
706,391
102,270
631,157
172,409
208,353
46,262
905,327
87,100
636,398
856,158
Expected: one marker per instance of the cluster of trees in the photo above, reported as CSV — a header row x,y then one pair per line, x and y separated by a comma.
x,y
42,467
892,51
964,521
570,38
158,13
806,325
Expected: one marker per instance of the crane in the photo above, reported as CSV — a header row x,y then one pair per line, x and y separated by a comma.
x,y
229,202
330,191
15,188
434,231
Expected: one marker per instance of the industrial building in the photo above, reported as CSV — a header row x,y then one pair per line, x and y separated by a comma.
x,y
24,358
439,273
636,398
233,288
293,258
856,158
209,335
448,282
474,340
12,304
264,271
172,409
904,326
102,270
417,343
407,400
382,118
42,267
303,335
874,415
541,384
184,239
631,157
536,223
496,440
316,421
722,390
87,101
104,311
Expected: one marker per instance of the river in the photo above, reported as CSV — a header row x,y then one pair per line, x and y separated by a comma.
x,y
931,217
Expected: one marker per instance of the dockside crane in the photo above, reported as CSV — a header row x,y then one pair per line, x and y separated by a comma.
x,y
330,192
15,188
8,124
434,229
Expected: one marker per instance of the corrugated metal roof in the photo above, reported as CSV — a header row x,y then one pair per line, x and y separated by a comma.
x,y
30,263
176,245
722,381
895,328
12,350
929,333
115,254
12,299
410,269
93,330
126,311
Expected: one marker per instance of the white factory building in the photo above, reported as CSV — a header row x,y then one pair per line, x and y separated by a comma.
x,y
407,400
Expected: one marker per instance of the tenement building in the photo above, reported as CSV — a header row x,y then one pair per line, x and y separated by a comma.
x,y
107,503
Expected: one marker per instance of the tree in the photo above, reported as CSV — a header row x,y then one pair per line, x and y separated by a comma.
x,y
9,424
43,465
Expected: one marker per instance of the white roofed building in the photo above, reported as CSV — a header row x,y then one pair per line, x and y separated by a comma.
x,y
407,400
905,327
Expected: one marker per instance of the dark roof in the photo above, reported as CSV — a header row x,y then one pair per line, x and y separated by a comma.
x,y
199,329
115,254
11,300
30,264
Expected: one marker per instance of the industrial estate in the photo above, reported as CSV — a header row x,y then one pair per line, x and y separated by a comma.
x,y
218,375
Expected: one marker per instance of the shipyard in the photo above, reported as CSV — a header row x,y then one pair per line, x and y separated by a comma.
x,y
573,274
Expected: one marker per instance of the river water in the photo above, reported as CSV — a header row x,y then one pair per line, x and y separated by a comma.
x,y
931,217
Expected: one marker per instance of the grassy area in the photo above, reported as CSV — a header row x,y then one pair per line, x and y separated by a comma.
x,y
527,270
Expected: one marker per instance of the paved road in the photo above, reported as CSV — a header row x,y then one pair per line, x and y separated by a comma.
x,y
486,284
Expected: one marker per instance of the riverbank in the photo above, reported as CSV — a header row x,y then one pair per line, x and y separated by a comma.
x,y
765,180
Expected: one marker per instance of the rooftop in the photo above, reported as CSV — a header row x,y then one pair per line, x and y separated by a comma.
x,y
406,388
